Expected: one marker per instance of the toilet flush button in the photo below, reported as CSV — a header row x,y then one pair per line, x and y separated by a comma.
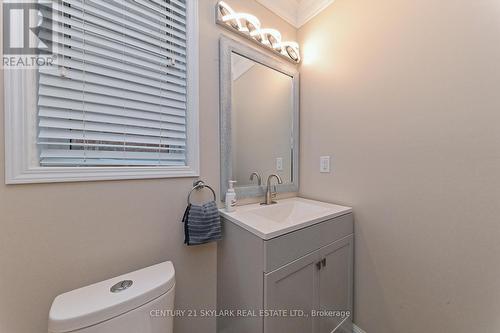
x,y
121,286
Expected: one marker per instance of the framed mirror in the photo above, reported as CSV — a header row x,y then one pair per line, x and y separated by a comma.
x,y
259,120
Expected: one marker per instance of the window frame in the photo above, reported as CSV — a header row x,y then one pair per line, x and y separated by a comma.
x,y
20,109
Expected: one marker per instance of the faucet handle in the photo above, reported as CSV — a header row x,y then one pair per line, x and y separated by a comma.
x,y
274,193
271,195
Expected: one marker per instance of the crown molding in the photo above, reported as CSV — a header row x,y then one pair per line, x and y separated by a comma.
x,y
309,9
296,12
283,9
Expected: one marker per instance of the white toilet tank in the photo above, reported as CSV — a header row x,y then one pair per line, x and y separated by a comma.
x,y
138,302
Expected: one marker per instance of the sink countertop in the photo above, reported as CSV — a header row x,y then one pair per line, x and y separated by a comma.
x,y
284,217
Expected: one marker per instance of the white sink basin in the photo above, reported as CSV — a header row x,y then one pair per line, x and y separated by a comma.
x,y
289,211
286,216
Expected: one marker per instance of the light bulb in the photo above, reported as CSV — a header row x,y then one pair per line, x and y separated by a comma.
x,y
292,50
227,13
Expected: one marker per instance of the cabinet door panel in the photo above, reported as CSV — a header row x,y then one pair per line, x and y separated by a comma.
x,y
335,285
293,287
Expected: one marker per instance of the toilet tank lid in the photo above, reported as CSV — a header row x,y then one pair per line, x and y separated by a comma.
x,y
96,303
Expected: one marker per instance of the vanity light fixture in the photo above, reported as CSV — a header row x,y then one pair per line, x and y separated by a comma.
x,y
251,22
227,13
292,49
249,26
269,37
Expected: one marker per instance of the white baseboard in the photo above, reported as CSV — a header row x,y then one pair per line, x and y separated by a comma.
x,y
356,329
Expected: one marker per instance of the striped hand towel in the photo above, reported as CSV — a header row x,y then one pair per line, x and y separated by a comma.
x,y
201,224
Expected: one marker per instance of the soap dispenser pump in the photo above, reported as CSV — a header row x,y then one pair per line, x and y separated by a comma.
x,y
230,197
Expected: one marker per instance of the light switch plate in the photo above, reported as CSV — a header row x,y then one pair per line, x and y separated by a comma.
x,y
279,164
324,164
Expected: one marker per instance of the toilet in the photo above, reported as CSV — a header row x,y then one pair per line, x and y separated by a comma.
x,y
137,302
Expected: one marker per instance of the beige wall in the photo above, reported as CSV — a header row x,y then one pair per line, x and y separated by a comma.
x,y
405,96
56,237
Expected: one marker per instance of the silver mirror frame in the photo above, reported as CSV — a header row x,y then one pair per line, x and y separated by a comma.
x,y
228,46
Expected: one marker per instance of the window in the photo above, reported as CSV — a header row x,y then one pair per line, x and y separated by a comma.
x,y
119,101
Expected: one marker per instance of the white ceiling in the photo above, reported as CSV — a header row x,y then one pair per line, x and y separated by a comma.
x,y
296,12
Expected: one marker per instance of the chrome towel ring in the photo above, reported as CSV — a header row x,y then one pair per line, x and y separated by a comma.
x,y
199,185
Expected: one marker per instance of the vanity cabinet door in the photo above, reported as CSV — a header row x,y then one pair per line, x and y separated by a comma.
x,y
335,285
290,288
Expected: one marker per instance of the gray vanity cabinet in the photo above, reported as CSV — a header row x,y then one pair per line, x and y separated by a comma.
x,y
336,283
293,275
293,288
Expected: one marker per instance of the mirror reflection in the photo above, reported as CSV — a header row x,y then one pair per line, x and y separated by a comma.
x,y
261,122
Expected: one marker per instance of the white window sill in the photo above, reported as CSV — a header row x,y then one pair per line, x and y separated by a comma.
x,y
75,174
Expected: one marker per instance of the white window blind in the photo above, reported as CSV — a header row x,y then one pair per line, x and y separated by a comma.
x,y
118,93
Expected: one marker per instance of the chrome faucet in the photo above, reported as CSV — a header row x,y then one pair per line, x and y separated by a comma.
x,y
271,195
256,174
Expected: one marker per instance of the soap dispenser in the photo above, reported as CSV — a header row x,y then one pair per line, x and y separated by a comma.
x,y
230,197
